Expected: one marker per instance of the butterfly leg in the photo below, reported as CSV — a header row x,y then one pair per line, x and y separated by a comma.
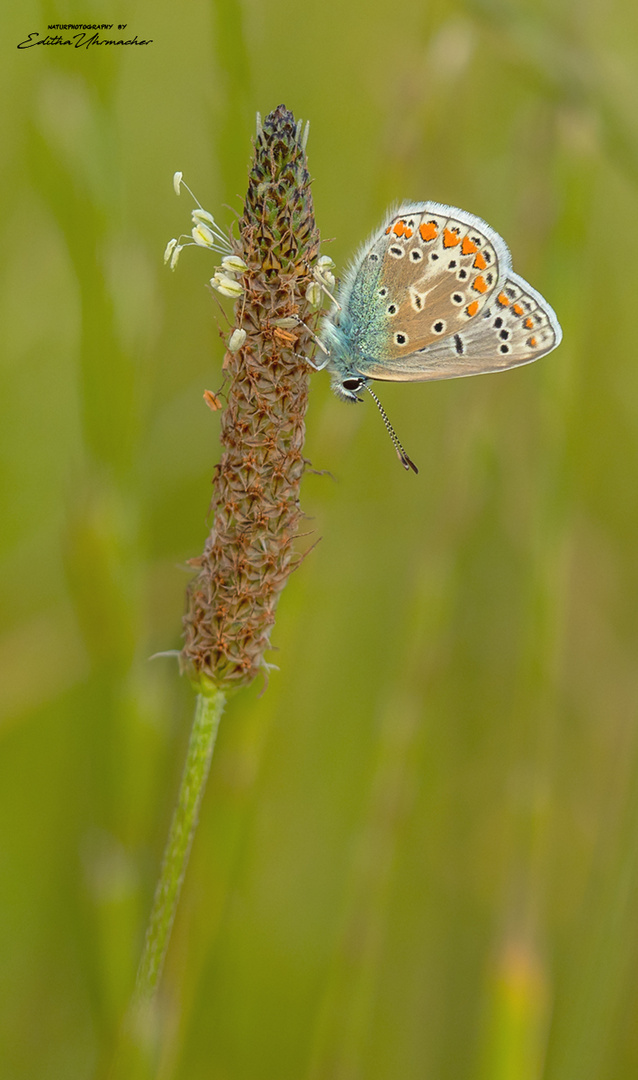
x,y
315,367
317,341
281,328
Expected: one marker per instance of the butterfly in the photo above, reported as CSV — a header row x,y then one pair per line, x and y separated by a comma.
x,y
432,295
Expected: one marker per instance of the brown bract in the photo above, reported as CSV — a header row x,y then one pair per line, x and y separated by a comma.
x,y
251,549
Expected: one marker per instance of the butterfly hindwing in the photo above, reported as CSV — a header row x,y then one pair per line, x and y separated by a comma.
x,y
517,327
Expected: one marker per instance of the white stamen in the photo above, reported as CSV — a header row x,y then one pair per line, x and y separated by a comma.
x,y
236,340
200,215
234,264
227,286
203,236
313,294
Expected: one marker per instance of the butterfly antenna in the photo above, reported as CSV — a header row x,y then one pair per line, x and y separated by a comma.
x,y
403,457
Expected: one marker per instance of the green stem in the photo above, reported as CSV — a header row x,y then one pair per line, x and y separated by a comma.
x,y
208,711
137,1047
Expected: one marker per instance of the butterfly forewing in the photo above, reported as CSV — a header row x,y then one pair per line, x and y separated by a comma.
x,y
434,269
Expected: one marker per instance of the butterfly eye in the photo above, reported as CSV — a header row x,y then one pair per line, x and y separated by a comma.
x,y
352,384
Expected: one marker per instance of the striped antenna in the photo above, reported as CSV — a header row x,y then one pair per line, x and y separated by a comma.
x,y
403,457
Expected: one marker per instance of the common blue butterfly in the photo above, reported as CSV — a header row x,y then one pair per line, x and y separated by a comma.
x,y
432,295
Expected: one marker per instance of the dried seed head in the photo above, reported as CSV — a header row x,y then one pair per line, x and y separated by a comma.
x,y
250,551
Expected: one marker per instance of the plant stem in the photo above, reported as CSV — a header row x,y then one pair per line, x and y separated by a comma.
x,y
135,1055
208,711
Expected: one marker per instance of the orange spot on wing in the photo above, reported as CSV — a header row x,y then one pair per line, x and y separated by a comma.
x,y
408,233
503,300
399,228
517,309
480,284
428,231
468,247
528,324
532,342
450,239
388,230
472,308
480,262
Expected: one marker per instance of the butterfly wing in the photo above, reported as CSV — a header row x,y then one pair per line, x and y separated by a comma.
x,y
517,327
425,275
433,296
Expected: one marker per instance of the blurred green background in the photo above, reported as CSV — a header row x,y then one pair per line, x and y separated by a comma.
x,y
417,855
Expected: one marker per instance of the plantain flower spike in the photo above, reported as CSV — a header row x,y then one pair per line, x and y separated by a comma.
x,y
251,549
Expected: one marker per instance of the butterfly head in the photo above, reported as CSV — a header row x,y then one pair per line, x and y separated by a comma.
x,y
346,381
